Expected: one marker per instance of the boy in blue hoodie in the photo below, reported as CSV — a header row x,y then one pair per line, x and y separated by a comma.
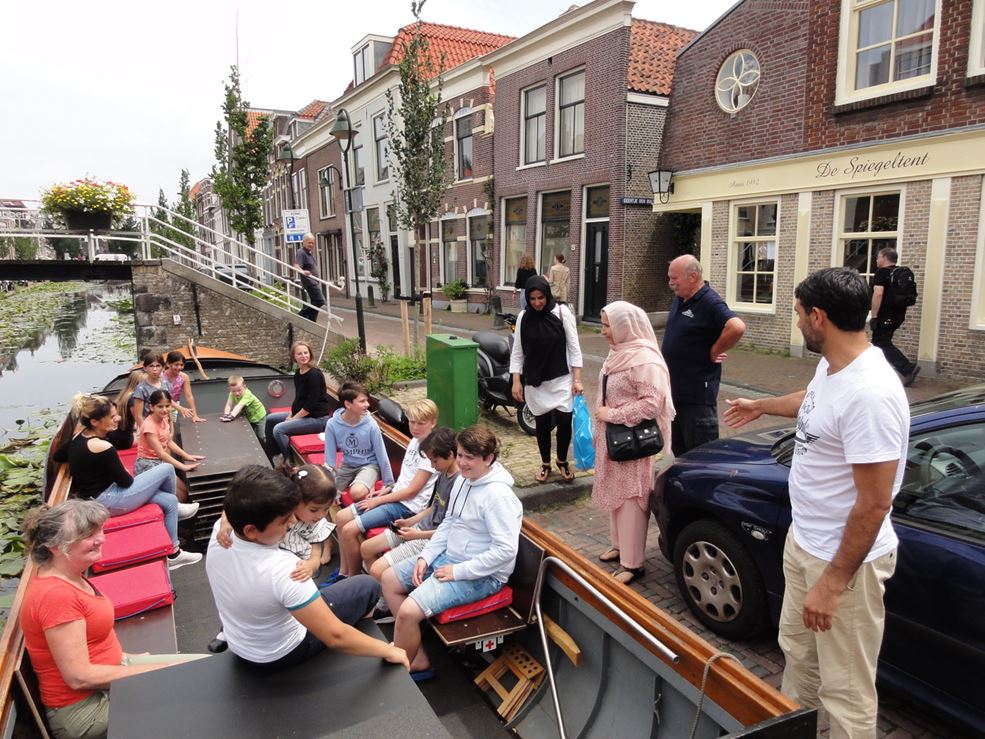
x,y
353,431
472,553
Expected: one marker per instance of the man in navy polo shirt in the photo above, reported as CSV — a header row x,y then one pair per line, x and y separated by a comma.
x,y
701,328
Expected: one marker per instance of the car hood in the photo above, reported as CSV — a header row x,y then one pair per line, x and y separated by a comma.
x,y
753,447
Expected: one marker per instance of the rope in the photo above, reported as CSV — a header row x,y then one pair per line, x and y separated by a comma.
x,y
704,684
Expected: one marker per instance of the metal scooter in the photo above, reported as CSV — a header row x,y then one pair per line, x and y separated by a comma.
x,y
495,381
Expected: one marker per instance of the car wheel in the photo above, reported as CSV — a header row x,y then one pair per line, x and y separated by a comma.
x,y
526,419
719,581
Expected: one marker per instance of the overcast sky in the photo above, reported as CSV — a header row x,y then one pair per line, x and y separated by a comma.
x,y
131,91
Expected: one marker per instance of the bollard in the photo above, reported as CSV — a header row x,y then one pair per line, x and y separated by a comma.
x,y
372,297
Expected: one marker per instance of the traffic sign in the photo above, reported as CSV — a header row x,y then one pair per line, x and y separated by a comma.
x,y
295,224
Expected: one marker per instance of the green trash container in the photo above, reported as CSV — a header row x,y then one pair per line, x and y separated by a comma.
x,y
452,379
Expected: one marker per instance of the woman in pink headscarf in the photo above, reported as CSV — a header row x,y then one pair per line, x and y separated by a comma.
x,y
637,387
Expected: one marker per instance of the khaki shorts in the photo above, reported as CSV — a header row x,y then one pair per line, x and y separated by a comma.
x,y
367,475
86,719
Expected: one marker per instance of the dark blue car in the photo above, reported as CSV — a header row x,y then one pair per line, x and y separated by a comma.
x,y
723,512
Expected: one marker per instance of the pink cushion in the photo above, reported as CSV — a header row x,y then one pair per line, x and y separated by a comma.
x,y
307,443
492,603
145,514
282,409
134,544
136,589
375,532
128,457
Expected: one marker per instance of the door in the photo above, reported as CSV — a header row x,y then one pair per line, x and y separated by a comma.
x,y
395,266
596,268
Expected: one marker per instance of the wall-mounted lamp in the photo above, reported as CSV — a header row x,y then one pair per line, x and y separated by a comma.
x,y
662,184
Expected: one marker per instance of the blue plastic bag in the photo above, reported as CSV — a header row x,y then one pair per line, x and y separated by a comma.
x,y
584,449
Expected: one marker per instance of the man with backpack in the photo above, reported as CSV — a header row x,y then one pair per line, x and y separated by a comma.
x,y
894,289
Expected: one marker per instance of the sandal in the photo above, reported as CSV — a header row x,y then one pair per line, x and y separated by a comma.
x,y
635,573
545,472
609,555
565,469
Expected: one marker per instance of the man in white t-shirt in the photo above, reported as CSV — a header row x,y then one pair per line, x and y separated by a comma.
x,y
852,429
269,618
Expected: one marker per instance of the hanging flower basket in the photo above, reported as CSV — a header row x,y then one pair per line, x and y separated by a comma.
x,y
81,220
88,204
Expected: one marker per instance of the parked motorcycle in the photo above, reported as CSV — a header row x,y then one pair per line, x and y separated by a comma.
x,y
495,381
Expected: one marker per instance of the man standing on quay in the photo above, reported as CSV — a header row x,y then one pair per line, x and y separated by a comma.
x,y
701,328
852,429
304,261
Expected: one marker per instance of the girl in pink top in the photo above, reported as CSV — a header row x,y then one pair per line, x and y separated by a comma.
x,y
181,386
156,442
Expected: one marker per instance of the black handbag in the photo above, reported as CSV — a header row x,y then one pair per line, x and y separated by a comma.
x,y
626,443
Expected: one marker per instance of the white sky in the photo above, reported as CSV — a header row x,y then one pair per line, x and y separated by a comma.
x,y
131,91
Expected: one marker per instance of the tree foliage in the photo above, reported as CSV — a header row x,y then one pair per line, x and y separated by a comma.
x,y
242,165
415,129
185,230
24,247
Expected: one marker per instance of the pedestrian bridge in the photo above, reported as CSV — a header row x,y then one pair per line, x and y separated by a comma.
x,y
62,270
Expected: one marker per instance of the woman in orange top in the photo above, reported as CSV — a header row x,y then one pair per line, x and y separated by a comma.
x,y
156,444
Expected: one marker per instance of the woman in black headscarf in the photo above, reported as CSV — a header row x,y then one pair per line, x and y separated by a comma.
x,y
546,369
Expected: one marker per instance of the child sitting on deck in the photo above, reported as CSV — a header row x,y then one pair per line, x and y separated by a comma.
x,y
356,434
408,496
181,386
472,553
241,400
270,618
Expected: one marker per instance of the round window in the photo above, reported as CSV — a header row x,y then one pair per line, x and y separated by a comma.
x,y
738,80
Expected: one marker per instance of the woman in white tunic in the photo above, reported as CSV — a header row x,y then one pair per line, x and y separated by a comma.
x,y
546,369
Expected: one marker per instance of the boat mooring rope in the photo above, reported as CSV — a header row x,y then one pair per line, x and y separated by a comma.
x,y
704,684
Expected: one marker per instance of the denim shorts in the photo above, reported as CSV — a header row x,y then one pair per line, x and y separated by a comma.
x,y
434,596
379,516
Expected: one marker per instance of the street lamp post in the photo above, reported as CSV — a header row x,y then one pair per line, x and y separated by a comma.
x,y
343,132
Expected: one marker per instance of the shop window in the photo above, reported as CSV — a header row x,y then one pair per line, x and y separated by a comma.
x,y
753,254
555,224
869,222
480,248
451,229
514,236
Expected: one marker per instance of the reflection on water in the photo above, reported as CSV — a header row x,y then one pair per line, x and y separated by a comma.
x,y
86,347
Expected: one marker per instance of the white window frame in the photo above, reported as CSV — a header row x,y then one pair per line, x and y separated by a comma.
x,y
358,164
382,165
976,321
326,195
503,275
359,71
731,291
441,246
557,156
302,191
461,114
976,47
469,254
838,232
845,91
523,126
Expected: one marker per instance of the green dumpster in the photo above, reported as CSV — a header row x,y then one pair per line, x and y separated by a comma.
x,y
452,379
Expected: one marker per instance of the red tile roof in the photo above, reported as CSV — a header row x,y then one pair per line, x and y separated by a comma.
x,y
193,193
449,45
653,49
312,109
253,118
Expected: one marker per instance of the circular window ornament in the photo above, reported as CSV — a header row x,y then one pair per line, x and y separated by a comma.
x,y
738,80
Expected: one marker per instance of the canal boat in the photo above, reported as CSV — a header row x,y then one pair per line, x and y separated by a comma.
x,y
575,654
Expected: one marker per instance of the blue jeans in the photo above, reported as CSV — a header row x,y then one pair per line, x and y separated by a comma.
x,y
434,596
278,430
157,485
380,516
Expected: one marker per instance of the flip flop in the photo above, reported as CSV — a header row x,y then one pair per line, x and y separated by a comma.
x,y
422,675
635,573
614,555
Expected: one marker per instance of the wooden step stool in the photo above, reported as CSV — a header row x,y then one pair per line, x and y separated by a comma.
x,y
528,672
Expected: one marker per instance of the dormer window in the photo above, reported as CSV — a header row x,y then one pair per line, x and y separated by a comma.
x,y
363,64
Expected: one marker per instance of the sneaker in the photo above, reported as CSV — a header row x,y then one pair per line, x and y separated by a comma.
x,y
383,615
182,558
187,510
911,376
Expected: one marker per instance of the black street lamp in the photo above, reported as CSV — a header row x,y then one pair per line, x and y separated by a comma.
x,y
343,132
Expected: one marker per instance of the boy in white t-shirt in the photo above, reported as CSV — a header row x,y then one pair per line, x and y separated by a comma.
x,y
271,619
408,496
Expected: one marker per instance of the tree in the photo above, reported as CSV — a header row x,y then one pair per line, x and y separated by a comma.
x,y
242,165
185,230
129,246
23,247
161,226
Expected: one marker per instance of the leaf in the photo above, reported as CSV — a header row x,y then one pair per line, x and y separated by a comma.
x,y
11,567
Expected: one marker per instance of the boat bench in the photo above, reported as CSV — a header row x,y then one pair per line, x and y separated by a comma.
x,y
486,631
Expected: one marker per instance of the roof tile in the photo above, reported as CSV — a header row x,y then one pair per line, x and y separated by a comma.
x,y
653,50
450,46
312,109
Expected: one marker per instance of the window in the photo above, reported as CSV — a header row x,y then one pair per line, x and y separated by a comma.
x,y
302,189
463,148
514,236
375,231
571,114
754,253
887,46
869,223
555,224
976,49
362,62
480,248
738,80
534,122
359,244
379,135
326,192
359,173
451,229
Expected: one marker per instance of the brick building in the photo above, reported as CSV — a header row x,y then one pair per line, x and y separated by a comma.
x,y
580,105
811,133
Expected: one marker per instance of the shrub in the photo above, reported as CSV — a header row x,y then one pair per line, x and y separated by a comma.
x,y
378,373
454,290
345,361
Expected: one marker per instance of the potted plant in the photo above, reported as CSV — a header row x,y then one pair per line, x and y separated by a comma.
x,y
87,204
455,291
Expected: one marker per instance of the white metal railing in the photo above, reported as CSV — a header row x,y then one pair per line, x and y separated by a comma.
x,y
219,259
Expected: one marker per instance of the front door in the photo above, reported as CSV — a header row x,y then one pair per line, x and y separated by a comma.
x,y
596,268
395,265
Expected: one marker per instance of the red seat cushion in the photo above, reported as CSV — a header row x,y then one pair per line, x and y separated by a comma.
x,y
375,532
134,544
136,589
316,458
128,457
345,498
307,443
492,603
282,409
145,514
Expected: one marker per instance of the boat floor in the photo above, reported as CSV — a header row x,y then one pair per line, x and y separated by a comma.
x,y
459,705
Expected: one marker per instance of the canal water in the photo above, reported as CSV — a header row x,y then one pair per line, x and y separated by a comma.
x,y
86,346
